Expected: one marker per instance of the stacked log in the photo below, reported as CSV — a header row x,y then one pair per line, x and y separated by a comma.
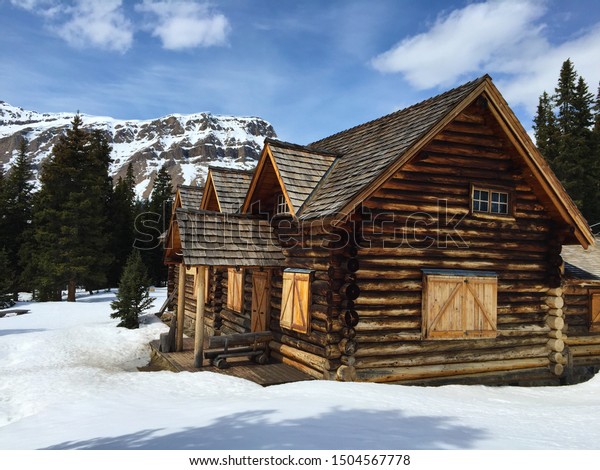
x,y
316,352
554,320
214,303
345,265
189,306
583,345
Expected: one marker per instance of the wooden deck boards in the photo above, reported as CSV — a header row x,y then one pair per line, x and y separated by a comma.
x,y
265,375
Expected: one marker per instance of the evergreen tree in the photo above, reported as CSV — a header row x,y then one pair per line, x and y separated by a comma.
x,y
122,218
133,296
70,220
6,275
18,197
161,197
566,139
545,128
3,216
159,208
597,112
583,106
564,96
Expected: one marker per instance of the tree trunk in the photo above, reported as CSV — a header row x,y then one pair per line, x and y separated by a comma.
x,y
71,291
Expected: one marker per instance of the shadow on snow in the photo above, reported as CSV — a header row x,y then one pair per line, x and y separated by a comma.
x,y
19,332
336,429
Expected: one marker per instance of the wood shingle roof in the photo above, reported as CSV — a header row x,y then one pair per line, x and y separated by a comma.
x,y
191,196
301,168
580,263
221,239
231,186
369,149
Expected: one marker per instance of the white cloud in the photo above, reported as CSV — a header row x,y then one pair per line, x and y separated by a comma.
x,y
536,72
182,24
46,8
502,37
97,23
463,41
85,23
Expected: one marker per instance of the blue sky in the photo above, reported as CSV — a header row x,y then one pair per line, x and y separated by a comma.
x,y
311,68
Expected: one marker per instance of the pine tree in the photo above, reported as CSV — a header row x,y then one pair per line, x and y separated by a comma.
x,y
6,278
583,105
70,240
18,196
564,96
133,296
566,139
159,208
595,159
6,274
4,229
162,193
122,218
545,128
597,112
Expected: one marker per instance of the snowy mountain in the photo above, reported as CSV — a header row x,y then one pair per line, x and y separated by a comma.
x,y
186,143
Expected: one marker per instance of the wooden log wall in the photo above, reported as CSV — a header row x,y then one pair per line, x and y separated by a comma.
x,y
236,322
583,346
212,321
190,306
175,276
171,284
318,351
420,218
214,303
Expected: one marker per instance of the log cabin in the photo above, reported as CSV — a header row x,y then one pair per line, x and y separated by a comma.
x,y
224,191
423,247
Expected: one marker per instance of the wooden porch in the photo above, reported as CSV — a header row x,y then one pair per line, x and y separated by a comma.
x,y
265,375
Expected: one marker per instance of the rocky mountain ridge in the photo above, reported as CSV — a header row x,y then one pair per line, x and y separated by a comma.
x,y
187,144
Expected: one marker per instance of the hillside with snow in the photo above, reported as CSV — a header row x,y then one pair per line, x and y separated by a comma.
x,y
186,143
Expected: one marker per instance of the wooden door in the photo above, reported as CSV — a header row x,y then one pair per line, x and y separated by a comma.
x,y
459,307
261,300
295,301
235,289
301,309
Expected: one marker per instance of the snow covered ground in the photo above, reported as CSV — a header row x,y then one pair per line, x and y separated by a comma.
x,y
68,380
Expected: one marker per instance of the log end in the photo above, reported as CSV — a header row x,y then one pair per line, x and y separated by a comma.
x,y
346,373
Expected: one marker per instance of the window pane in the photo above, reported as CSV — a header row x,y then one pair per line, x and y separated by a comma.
x,y
480,200
499,203
494,202
281,206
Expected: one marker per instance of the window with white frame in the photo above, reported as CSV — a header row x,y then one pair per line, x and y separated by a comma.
x,y
489,201
282,206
